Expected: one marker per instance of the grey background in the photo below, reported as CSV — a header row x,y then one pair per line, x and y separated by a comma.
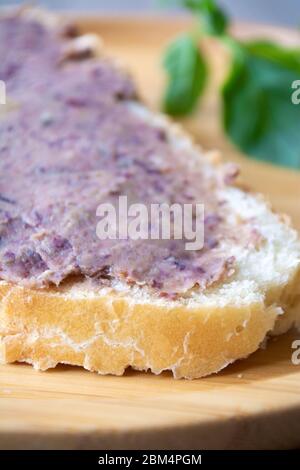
x,y
285,12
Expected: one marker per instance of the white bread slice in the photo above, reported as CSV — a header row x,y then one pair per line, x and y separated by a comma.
x,y
111,328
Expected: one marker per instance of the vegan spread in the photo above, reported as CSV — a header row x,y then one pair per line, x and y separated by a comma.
x,y
71,139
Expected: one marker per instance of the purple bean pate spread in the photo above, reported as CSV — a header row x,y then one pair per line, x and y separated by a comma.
x,y
69,141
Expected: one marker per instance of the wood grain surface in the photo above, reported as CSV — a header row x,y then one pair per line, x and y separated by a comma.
x,y
252,404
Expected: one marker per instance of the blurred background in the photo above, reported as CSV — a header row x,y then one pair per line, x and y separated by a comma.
x,y
284,12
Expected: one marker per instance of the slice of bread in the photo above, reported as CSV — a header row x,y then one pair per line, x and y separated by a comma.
x,y
107,329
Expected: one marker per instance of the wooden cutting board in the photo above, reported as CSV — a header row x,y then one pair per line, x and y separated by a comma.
x,y
254,403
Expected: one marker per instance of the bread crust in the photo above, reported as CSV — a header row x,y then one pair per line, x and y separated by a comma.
x,y
109,332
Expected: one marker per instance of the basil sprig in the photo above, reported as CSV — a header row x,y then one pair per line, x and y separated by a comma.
x,y
259,115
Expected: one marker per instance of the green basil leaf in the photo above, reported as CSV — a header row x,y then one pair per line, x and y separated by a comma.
x,y
214,22
258,111
187,74
213,19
